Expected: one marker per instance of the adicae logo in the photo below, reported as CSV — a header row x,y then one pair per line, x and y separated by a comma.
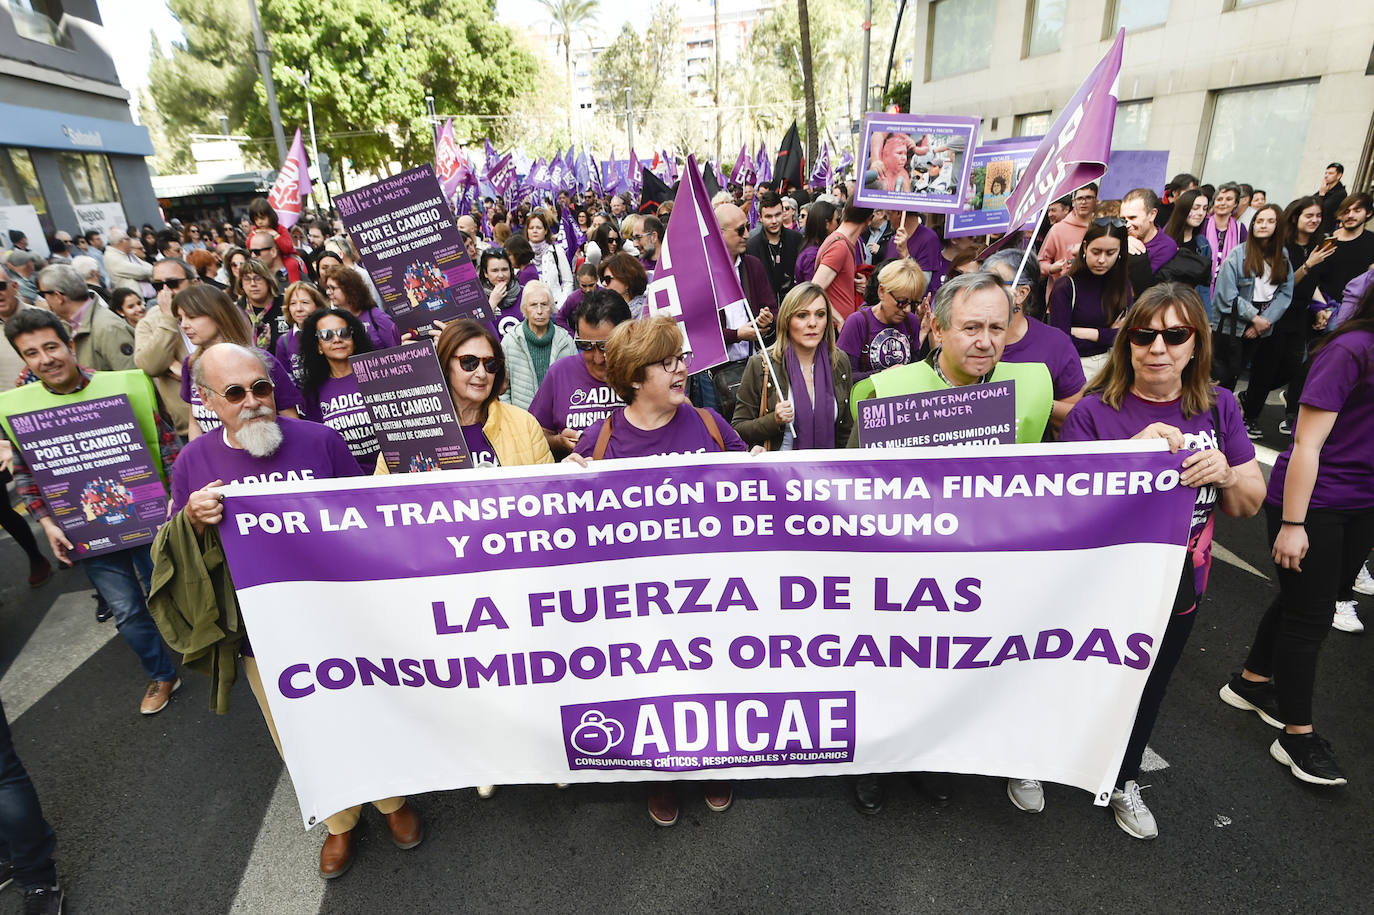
x,y
597,734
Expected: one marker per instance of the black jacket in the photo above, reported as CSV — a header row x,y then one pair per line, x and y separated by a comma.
x,y
780,273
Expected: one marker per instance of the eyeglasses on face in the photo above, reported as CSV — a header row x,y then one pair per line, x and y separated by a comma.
x,y
173,284
741,230
1173,336
334,333
469,363
673,363
586,346
262,389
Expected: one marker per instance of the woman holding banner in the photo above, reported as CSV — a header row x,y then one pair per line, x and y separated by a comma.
x,y
812,377
329,390
1089,302
1157,384
533,345
646,366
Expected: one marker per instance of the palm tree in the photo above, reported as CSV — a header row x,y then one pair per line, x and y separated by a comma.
x,y
570,16
808,81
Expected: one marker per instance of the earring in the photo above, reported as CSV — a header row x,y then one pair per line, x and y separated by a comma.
x,y
635,386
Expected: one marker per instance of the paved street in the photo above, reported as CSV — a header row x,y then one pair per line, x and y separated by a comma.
x,y
187,812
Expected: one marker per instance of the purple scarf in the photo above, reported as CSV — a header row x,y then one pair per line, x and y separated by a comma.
x,y
1235,236
815,425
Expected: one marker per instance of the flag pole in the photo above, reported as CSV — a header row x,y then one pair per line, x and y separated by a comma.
x,y
767,361
1025,255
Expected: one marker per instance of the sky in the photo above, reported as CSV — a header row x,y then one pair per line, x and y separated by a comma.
x,y
128,23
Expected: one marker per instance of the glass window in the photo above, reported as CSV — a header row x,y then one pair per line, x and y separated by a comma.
x,y
1138,14
1046,25
87,177
960,36
1258,134
1033,125
1132,127
19,182
39,20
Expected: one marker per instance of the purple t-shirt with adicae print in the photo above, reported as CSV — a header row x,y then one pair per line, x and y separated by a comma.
x,y
309,451
570,398
1339,381
685,433
1051,347
480,447
339,405
284,396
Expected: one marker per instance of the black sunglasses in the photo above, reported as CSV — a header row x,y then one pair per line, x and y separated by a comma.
x,y
1173,336
4,284
172,284
470,362
1110,222
334,333
586,346
262,389
741,231
263,250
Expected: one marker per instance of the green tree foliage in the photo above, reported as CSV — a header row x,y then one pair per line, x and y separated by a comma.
x,y
650,66
371,63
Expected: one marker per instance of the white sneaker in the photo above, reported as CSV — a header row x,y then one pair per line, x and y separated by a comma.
x,y
1026,794
1131,813
485,791
1364,582
1345,618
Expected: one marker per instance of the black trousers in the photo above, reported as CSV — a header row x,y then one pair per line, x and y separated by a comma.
x,y
26,840
1292,630
1166,659
14,523
1277,361
1230,357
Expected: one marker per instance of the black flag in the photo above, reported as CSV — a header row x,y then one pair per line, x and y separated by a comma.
x,y
790,169
708,178
653,191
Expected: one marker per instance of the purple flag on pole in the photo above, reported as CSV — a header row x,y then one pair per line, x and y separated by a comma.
x,y
448,165
572,235
635,179
763,166
695,277
743,172
1075,150
582,171
292,185
820,175
672,167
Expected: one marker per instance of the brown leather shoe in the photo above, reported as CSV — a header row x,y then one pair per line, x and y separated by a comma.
x,y
158,695
663,803
719,795
337,855
407,830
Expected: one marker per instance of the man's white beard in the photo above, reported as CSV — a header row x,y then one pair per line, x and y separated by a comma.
x,y
260,438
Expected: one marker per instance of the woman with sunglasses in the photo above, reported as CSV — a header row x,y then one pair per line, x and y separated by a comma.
x,y
891,331
1253,291
498,434
623,274
260,298
346,289
231,265
302,300
191,239
329,390
1088,303
207,317
1157,384
810,407
1320,514
604,242
534,344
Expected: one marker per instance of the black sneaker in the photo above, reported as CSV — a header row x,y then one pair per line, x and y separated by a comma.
x,y
102,609
1250,696
1309,758
43,900
1253,430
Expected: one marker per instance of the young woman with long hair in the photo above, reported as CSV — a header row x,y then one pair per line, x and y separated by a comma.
x,y
1253,290
1089,301
328,388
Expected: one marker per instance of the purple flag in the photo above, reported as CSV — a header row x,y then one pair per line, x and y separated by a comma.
x,y
695,277
292,185
572,235
582,171
635,179
763,166
1075,150
672,167
820,175
846,160
489,166
743,172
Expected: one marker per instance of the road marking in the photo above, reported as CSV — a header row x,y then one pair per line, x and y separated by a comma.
x,y
63,641
1226,556
1152,761
282,875
1265,455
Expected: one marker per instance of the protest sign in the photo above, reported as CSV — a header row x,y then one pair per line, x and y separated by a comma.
x,y
712,616
413,250
1133,168
412,413
102,217
976,414
94,473
915,162
997,166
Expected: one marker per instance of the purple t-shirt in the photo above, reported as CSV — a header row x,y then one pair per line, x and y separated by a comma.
x,y
308,451
926,249
873,346
564,318
381,330
1340,381
285,396
289,353
806,264
685,433
1160,250
1091,420
479,446
528,274
570,398
1053,348
339,405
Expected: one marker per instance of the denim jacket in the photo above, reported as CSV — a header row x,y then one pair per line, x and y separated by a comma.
x,y
1233,303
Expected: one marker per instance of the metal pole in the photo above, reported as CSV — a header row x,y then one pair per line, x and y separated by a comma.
x,y
265,68
432,118
715,42
629,119
314,147
868,40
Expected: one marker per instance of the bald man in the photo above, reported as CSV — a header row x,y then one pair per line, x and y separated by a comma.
x,y
740,339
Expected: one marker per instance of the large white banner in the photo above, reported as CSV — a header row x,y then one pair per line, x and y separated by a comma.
x,y
988,610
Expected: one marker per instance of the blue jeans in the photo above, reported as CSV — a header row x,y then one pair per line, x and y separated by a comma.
x,y
26,839
123,579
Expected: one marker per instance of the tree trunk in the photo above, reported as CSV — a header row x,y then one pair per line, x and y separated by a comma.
x,y
572,90
808,83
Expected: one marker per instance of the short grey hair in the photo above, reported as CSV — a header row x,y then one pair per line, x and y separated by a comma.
x,y
116,236
187,270
198,364
965,284
65,279
1011,257
86,265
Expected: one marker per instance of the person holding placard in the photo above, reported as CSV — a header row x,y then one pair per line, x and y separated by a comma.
x,y
329,391
808,373
122,577
1157,384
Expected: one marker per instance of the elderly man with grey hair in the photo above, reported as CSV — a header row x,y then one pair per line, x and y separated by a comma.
x,y
124,267
254,444
21,267
1031,340
104,341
